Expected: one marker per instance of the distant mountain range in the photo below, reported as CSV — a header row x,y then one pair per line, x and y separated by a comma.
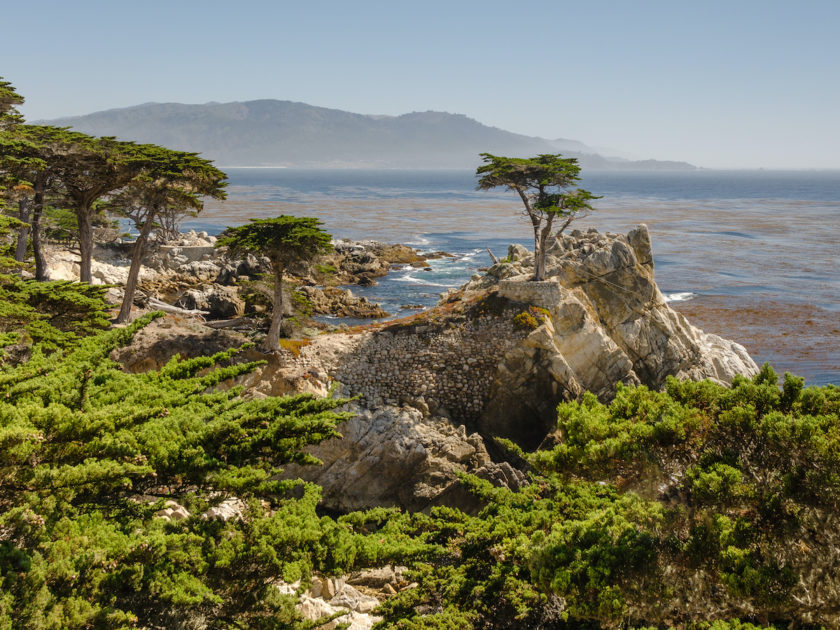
x,y
285,133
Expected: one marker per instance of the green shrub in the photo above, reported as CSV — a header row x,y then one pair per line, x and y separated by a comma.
x,y
89,453
531,318
701,506
525,320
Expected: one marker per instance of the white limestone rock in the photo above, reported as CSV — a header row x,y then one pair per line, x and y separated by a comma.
x,y
231,508
395,456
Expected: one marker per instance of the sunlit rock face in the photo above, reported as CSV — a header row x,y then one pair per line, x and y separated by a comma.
x,y
493,358
605,321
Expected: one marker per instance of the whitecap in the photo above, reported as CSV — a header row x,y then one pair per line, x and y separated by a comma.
x,y
410,278
419,239
679,297
471,255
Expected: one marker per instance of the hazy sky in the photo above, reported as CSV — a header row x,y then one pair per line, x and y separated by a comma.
x,y
733,83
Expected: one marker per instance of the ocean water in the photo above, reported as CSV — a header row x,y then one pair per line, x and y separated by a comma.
x,y
750,255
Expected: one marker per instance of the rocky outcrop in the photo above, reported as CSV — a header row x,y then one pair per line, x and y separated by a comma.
x,y
492,359
502,352
607,281
190,260
340,303
191,273
218,301
606,322
360,262
166,337
396,456
353,596
333,596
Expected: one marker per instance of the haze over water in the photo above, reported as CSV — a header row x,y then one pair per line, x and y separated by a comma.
x,y
750,255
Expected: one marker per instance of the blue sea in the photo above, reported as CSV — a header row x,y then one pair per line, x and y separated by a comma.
x,y
750,255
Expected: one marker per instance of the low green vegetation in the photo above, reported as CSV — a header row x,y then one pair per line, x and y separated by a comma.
x,y
89,454
51,315
699,507
531,318
688,507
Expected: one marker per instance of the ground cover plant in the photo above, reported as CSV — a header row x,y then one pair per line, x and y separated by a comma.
x,y
89,454
699,506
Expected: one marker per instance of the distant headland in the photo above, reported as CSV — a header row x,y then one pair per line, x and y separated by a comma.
x,y
286,133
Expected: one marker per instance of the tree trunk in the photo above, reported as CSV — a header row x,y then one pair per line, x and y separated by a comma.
x,y
540,250
85,242
137,254
272,339
23,233
535,222
37,212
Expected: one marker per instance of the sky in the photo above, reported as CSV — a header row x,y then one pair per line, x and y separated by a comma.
x,y
720,84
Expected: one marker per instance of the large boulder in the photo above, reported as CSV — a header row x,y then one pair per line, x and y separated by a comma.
x,y
605,321
395,456
219,302
340,303
162,339
605,283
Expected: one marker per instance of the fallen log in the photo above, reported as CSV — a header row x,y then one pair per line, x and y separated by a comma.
x,y
244,322
157,305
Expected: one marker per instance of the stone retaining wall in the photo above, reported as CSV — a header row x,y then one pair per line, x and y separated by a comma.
x,y
545,293
439,370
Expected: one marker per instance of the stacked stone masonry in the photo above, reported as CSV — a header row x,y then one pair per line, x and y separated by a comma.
x,y
443,371
545,294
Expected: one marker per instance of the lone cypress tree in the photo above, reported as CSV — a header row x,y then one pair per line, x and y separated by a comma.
x,y
543,183
286,241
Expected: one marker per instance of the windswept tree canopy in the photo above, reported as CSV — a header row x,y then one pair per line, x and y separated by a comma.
x,y
168,182
90,168
544,184
287,241
171,185
9,99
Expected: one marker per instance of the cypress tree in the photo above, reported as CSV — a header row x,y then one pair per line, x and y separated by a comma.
x,y
28,151
89,168
9,100
171,184
286,241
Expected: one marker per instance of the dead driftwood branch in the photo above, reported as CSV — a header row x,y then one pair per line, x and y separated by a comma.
x,y
237,322
157,305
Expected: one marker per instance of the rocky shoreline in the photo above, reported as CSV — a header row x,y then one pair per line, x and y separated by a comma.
x,y
432,393
492,359
191,274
